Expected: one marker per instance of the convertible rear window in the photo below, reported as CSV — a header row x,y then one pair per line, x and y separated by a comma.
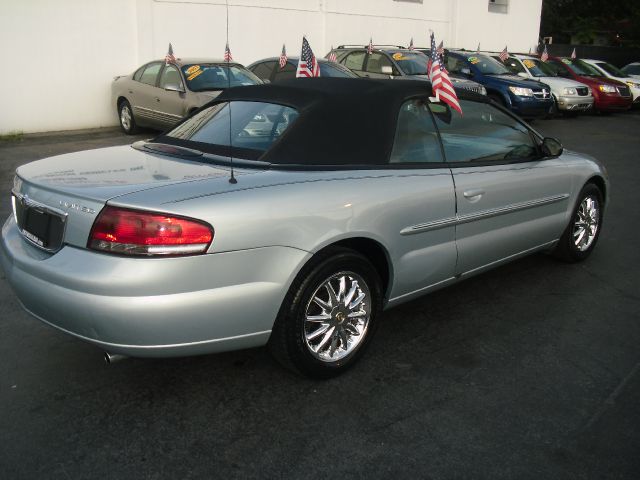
x,y
249,127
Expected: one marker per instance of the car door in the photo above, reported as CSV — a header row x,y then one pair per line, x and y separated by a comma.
x,y
420,216
510,200
354,61
170,104
145,104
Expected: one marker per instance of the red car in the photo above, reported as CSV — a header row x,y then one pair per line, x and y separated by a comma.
x,y
609,95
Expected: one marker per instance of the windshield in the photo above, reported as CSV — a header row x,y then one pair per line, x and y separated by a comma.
x,y
538,68
632,69
487,65
411,63
331,69
251,130
610,69
210,76
581,68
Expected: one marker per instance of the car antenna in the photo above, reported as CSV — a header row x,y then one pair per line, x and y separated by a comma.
x,y
227,54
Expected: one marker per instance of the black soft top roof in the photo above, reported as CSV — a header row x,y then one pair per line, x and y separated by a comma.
x,y
342,121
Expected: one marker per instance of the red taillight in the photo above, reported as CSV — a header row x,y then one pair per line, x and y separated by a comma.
x,y
133,232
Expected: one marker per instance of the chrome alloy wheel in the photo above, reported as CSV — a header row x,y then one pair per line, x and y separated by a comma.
x,y
585,224
125,117
337,317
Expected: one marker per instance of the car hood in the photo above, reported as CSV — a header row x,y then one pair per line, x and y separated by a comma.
x,y
559,82
516,81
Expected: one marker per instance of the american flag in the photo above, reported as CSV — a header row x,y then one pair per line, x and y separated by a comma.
x,y
440,82
411,47
545,55
370,46
169,57
307,65
227,53
574,54
504,54
283,57
332,55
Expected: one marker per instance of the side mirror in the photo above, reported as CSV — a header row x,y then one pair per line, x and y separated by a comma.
x,y
172,87
523,75
387,70
466,72
552,147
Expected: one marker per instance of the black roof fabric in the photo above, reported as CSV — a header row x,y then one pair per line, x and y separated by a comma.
x,y
342,121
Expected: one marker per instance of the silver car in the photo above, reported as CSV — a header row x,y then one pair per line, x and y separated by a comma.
x,y
291,215
157,95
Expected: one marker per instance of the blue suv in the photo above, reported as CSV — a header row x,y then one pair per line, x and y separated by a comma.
x,y
526,98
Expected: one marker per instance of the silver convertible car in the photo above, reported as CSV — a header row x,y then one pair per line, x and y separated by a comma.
x,y
290,215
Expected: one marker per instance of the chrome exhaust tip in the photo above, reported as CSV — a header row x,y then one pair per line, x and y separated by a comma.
x,y
110,358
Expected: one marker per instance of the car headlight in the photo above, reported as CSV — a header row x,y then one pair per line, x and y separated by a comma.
x,y
483,90
521,92
633,84
607,88
570,91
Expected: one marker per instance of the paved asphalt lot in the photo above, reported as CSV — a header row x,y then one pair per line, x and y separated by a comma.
x,y
529,371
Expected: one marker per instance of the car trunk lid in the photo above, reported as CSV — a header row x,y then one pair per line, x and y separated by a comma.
x,y
56,200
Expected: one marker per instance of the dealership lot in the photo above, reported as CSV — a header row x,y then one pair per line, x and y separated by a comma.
x,y
529,371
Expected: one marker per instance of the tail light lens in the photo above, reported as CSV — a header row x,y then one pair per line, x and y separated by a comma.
x,y
133,232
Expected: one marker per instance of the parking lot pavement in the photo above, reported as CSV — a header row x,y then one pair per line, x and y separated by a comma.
x,y
529,371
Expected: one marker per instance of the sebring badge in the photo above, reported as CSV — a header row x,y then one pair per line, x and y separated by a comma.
x,y
76,206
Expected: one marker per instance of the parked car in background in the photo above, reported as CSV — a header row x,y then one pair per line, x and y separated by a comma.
x,y
611,71
397,63
526,98
157,95
609,95
269,70
632,70
568,95
355,195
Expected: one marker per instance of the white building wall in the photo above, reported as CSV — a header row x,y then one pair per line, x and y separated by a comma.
x,y
63,54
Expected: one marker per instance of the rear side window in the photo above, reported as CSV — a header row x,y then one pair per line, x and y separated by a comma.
x,y
263,70
354,61
483,134
150,74
253,125
416,139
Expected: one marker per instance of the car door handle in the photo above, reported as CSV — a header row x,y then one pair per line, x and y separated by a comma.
x,y
474,194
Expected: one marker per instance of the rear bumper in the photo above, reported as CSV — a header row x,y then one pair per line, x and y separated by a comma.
x,y
152,307
575,103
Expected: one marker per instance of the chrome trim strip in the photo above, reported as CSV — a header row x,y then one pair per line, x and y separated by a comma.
x,y
472,217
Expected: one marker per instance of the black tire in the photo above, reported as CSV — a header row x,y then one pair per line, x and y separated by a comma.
x,y
566,249
290,340
127,121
